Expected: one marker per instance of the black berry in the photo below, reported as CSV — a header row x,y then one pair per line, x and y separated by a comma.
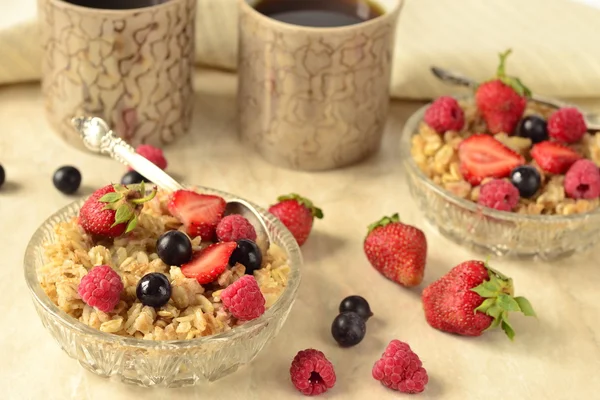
x,y
527,179
67,179
2,175
132,178
248,254
534,128
154,290
348,329
174,248
358,305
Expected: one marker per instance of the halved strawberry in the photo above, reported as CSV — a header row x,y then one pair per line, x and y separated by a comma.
x,y
200,213
553,157
206,265
481,156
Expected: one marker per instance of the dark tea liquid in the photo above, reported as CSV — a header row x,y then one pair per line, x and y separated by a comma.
x,y
320,13
116,4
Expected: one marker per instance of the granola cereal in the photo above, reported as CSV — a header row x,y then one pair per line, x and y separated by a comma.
x,y
193,311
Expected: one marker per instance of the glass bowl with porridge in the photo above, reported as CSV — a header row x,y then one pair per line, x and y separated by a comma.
x,y
161,288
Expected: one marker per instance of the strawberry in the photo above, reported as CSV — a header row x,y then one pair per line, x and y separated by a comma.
x,y
481,156
471,299
297,214
207,264
113,210
200,213
502,100
396,250
553,157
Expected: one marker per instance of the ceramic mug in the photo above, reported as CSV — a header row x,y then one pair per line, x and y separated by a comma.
x,y
129,62
314,98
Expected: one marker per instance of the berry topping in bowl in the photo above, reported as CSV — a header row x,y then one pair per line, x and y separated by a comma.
x,y
208,264
358,305
235,227
244,299
101,288
445,114
582,180
154,290
67,179
567,125
199,213
248,254
499,194
526,179
174,248
533,127
553,157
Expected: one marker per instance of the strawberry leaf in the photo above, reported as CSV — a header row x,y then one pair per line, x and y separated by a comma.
x,y
525,306
111,197
315,211
124,214
132,224
508,329
507,303
483,307
383,222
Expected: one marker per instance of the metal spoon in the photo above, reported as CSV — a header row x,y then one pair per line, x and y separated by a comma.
x,y
454,78
99,138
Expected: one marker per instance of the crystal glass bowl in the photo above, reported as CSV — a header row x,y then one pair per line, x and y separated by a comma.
x,y
165,363
490,231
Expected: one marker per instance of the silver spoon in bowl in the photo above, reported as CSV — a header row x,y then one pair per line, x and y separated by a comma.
x,y
99,138
454,78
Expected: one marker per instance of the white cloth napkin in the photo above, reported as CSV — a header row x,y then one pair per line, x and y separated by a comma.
x,y
556,43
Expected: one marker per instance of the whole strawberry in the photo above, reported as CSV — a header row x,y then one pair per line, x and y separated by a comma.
x,y
113,210
502,100
397,250
297,214
471,299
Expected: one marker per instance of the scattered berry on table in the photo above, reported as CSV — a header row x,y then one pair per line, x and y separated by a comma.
x,y
200,213
154,290
174,248
312,373
358,305
554,157
132,178
526,179
534,128
445,114
2,175
502,100
348,329
297,214
206,265
235,227
499,194
67,179
399,368
567,125
472,298
248,254
244,299
113,210
582,180
153,154
101,288
396,250
481,156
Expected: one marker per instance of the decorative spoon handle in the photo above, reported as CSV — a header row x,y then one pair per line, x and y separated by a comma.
x,y
98,137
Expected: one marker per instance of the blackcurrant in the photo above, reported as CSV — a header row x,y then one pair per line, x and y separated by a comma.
x,y
67,179
154,290
248,254
534,128
358,305
132,178
348,329
2,175
174,248
526,179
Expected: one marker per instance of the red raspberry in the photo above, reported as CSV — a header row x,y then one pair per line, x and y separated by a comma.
x,y
499,194
244,299
153,154
582,180
445,114
235,227
312,373
400,369
566,125
101,288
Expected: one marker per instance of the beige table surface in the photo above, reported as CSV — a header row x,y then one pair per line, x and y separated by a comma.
x,y
554,357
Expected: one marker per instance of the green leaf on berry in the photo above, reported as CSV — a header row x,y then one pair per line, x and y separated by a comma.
x,y
508,329
525,306
316,212
124,214
383,222
507,303
111,197
132,224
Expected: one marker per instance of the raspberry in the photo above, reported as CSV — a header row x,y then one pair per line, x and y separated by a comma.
x,y
566,125
244,299
499,194
312,373
101,288
582,180
444,114
235,227
400,369
153,154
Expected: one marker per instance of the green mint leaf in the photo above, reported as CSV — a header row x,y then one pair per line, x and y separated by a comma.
x,y
508,303
483,307
508,329
110,197
525,306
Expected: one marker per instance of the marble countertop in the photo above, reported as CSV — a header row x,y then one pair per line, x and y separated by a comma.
x,y
556,356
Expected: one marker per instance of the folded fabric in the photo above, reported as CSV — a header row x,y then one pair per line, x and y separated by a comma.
x,y
555,44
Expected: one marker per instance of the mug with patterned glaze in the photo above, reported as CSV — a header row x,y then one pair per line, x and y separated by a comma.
x,y
314,98
129,62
